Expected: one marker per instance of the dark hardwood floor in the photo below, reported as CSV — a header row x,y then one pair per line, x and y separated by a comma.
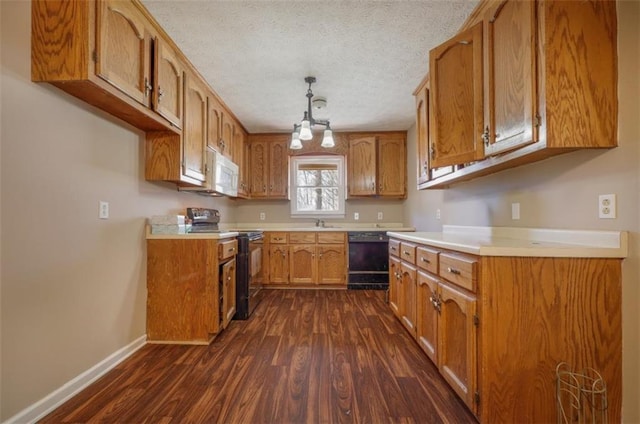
x,y
304,356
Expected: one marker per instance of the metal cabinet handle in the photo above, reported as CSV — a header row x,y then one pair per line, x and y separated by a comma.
x,y
231,249
406,252
423,259
485,136
147,87
160,93
453,271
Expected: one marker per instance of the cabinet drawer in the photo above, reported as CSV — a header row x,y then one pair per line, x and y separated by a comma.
x,y
408,252
459,269
278,238
427,259
227,249
332,237
302,238
394,248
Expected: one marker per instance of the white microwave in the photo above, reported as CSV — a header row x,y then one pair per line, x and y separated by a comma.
x,y
221,176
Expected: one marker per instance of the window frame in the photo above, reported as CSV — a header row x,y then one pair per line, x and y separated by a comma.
x,y
333,160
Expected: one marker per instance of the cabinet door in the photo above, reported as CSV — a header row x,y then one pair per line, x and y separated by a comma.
x,y
456,99
168,83
194,136
510,80
245,168
229,292
226,143
395,283
123,49
422,130
392,167
332,264
278,264
303,265
427,315
362,166
259,165
408,301
278,169
214,124
457,334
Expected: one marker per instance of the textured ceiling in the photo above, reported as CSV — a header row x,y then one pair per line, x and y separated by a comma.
x,y
367,56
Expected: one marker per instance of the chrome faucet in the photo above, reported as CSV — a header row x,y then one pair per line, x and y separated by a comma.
x,y
319,223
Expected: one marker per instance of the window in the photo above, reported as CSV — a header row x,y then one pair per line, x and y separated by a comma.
x,y
317,186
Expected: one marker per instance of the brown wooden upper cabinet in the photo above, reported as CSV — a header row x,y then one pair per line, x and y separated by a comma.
x,y
519,83
168,83
269,159
195,131
101,51
510,83
123,49
377,165
422,130
456,97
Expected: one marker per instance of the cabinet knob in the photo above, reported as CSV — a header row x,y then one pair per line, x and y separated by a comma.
x,y
453,271
160,93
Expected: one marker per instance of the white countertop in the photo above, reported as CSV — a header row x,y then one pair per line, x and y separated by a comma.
x,y
531,242
191,236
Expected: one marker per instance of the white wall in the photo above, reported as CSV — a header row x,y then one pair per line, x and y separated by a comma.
x,y
562,192
73,286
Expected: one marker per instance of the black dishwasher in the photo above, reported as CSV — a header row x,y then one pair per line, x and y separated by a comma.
x,y
368,260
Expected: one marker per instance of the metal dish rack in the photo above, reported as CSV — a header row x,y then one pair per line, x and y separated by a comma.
x,y
580,397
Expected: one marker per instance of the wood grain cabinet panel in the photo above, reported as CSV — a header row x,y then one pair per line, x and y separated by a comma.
x,y
395,286
521,82
377,165
457,99
194,137
190,292
168,83
228,290
510,80
100,52
269,166
332,264
497,329
123,49
278,264
427,314
407,297
422,131
362,166
303,266
457,338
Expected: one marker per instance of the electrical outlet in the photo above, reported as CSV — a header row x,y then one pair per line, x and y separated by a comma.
x,y
515,211
263,216
437,213
103,212
380,215
607,206
356,216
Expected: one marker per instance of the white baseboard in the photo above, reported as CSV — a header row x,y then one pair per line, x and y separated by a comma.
x,y
56,398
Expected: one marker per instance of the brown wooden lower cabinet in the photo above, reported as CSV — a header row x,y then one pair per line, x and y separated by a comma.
x,y
497,327
191,286
306,258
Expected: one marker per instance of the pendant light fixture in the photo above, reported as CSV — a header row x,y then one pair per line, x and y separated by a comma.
x,y
303,131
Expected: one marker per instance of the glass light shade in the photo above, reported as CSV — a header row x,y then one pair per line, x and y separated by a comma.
x,y
296,144
305,130
327,141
